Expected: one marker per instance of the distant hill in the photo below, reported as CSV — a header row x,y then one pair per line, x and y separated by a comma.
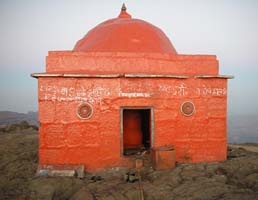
x,y
8,117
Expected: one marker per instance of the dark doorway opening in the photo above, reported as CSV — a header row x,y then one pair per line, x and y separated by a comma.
x,y
136,131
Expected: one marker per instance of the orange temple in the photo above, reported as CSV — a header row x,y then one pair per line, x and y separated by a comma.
x,y
124,86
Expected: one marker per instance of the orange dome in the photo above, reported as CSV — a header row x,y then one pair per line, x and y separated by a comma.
x,y
124,34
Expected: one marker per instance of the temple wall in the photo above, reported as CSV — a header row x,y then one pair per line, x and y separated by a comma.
x,y
67,139
122,63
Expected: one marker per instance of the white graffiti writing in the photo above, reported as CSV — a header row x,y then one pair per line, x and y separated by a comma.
x,y
177,90
206,91
54,93
136,94
184,90
96,94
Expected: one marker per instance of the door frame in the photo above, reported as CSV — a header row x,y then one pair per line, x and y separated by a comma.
x,y
152,124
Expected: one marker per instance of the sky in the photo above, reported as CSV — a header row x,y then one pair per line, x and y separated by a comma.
x,y
31,28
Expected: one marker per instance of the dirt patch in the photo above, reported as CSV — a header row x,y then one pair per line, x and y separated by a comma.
x,y
236,178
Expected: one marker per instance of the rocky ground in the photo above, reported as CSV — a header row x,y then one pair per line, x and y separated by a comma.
x,y
236,178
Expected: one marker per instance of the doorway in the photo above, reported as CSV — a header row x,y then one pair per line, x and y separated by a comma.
x,y
136,130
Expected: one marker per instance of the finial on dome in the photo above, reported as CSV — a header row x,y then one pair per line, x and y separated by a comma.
x,y
123,8
123,13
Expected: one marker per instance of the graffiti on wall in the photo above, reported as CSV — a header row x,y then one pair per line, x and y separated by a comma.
x,y
55,93
95,95
175,90
183,90
205,91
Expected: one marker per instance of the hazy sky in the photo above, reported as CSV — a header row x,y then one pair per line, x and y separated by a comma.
x,y
226,28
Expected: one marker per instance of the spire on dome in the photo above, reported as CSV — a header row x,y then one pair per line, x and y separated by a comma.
x,y
123,8
123,13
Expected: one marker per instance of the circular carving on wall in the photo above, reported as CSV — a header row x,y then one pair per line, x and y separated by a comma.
x,y
187,108
85,111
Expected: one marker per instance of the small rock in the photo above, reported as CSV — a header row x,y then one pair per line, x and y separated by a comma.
x,y
96,178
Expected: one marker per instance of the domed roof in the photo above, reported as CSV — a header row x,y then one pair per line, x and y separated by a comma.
x,y
125,34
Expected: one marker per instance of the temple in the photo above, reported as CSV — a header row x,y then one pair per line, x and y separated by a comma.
x,y
124,89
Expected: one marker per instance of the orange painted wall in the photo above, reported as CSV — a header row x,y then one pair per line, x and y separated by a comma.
x,y
67,139
125,62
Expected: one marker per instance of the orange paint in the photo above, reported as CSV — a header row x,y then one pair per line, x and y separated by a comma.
x,y
132,129
163,158
125,34
129,46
